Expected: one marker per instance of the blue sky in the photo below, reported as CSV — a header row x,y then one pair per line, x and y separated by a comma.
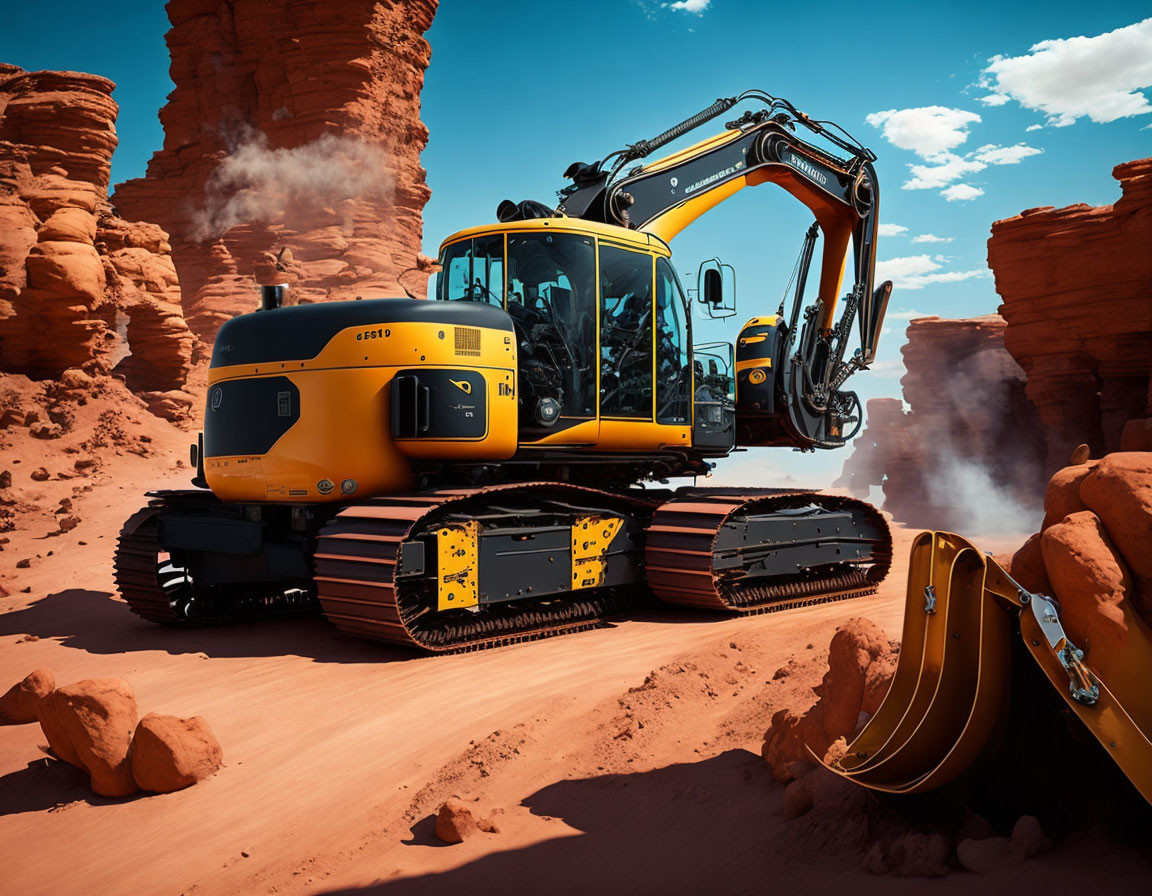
x,y
516,91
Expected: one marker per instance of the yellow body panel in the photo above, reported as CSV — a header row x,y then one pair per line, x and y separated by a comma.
x,y
457,565
343,434
632,239
591,536
641,435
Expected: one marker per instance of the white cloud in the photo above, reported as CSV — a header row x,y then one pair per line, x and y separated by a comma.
x,y
696,7
910,314
1005,155
952,167
1040,127
932,132
928,131
1099,77
932,177
995,99
892,229
961,192
932,238
918,271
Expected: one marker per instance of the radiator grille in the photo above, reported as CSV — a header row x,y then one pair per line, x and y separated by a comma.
x,y
468,341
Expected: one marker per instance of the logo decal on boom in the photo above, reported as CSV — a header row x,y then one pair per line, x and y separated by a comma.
x,y
463,385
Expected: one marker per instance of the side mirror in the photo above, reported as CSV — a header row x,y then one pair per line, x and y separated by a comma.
x,y
716,288
713,288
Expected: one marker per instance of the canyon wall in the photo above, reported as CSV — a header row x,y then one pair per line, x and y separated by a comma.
x,y
291,152
1002,401
1077,289
968,447
79,287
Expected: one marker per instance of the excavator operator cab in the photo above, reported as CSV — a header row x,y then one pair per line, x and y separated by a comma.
x,y
602,330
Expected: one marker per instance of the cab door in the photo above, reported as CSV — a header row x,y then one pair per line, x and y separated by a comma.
x,y
626,334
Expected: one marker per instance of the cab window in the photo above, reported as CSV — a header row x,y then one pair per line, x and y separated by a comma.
x,y
552,303
673,374
473,271
625,333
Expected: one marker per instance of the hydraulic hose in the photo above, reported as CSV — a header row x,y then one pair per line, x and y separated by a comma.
x,y
644,147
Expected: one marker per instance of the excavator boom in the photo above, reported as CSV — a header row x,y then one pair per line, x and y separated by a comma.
x,y
665,196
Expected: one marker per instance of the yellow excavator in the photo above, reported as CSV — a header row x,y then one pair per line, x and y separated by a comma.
x,y
486,467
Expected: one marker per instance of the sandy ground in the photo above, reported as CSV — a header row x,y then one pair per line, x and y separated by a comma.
x,y
620,759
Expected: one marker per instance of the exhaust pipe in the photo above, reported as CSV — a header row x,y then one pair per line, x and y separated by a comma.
x,y
272,297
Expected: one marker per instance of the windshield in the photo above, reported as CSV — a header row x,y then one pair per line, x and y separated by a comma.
x,y
552,301
472,271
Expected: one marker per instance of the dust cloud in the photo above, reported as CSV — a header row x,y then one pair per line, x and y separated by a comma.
x,y
257,184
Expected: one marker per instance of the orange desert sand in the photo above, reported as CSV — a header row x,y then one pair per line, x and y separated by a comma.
x,y
624,759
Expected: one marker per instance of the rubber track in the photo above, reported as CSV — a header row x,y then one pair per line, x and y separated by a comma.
x,y
134,567
356,561
681,537
136,573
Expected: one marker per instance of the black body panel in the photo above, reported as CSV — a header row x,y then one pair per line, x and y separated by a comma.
x,y
791,541
248,416
300,332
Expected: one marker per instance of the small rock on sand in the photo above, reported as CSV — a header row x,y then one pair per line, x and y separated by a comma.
x,y
920,855
1029,838
18,705
989,855
455,822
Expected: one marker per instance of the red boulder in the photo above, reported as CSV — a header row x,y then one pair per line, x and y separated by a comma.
x,y
89,724
18,705
1089,578
169,753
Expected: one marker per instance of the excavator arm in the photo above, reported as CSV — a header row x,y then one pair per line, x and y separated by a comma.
x,y
762,146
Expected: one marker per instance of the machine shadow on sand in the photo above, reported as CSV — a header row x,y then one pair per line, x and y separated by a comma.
x,y
96,622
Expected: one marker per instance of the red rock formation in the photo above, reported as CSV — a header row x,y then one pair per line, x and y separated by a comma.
x,y
70,270
968,438
878,442
1095,548
294,129
1077,290
142,281
57,134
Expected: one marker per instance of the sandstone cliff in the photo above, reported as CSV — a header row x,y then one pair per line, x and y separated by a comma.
x,y
1077,290
291,152
78,286
968,447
